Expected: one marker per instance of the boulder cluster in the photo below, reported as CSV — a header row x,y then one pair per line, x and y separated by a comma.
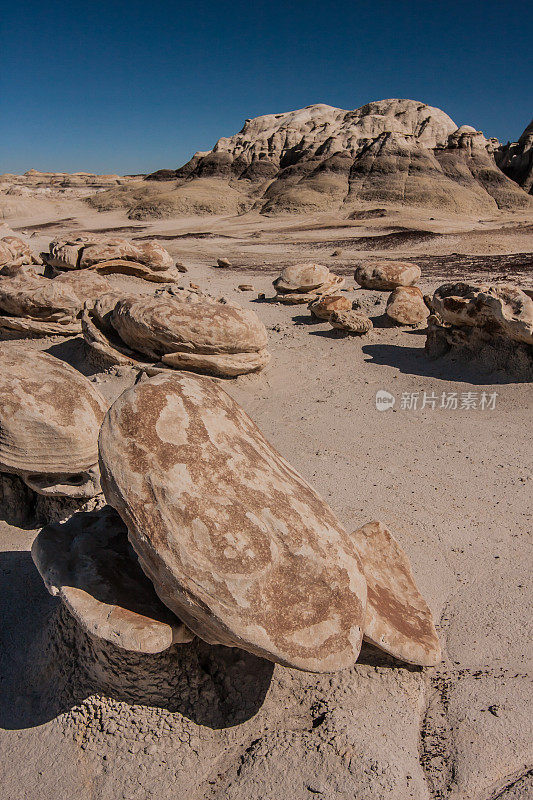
x,y
405,305
169,328
209,532
147,259
315,285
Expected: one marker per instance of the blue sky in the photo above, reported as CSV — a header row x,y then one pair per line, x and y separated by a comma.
x,y
134,86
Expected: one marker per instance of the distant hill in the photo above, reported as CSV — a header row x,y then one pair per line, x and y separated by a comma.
x,y
321,158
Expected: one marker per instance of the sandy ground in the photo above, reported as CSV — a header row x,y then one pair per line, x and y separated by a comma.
x,y
454,486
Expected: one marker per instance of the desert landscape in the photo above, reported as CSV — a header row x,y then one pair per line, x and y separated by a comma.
x,y
265,473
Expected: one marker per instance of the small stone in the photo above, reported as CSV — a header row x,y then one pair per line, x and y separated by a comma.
x,y
406,306
351,322
325,306
181,267
245,287
223,262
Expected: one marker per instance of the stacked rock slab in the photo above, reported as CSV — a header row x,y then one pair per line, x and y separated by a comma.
x,y
236,543
240,547
406,306
32,305
88,564
50,416
385,276
148,260
181,329
303,283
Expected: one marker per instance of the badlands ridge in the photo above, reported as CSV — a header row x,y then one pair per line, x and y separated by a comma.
x,y
322,158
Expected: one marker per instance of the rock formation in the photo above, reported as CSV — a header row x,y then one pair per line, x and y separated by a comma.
x,y
148,260
184,330
406,306
88,564
501,310
15,252
303,283
516,159
236,543
50,416
32,305
492,323
322,158
385,276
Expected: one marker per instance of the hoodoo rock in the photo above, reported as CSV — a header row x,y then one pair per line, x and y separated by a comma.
x,y
406,306
398,619
384,276
87,563
50,416
184,330
235,541
148,260
501,310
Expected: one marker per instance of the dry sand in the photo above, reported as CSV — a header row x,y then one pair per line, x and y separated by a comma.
x,y
454,486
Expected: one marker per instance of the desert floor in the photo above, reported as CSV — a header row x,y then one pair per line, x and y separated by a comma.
x,y
454,486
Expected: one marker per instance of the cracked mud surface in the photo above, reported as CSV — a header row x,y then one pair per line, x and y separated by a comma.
x,y
81,720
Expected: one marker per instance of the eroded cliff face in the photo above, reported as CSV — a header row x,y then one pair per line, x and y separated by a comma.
x,y
516,159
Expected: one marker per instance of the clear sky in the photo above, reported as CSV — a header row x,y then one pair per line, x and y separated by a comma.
x,y
133,86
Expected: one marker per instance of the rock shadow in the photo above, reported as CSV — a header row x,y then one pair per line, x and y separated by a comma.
x,y
74,353
414,361
48,664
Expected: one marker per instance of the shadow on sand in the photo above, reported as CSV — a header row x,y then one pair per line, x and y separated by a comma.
x,y
414,361
48,664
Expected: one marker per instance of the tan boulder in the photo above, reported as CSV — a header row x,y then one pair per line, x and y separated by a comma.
x,y
302,283
499,310
386,275
406,306
323,307
398,619
148,260
50,416
351,322
16,252
33,305
87,563
235,541
187,330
